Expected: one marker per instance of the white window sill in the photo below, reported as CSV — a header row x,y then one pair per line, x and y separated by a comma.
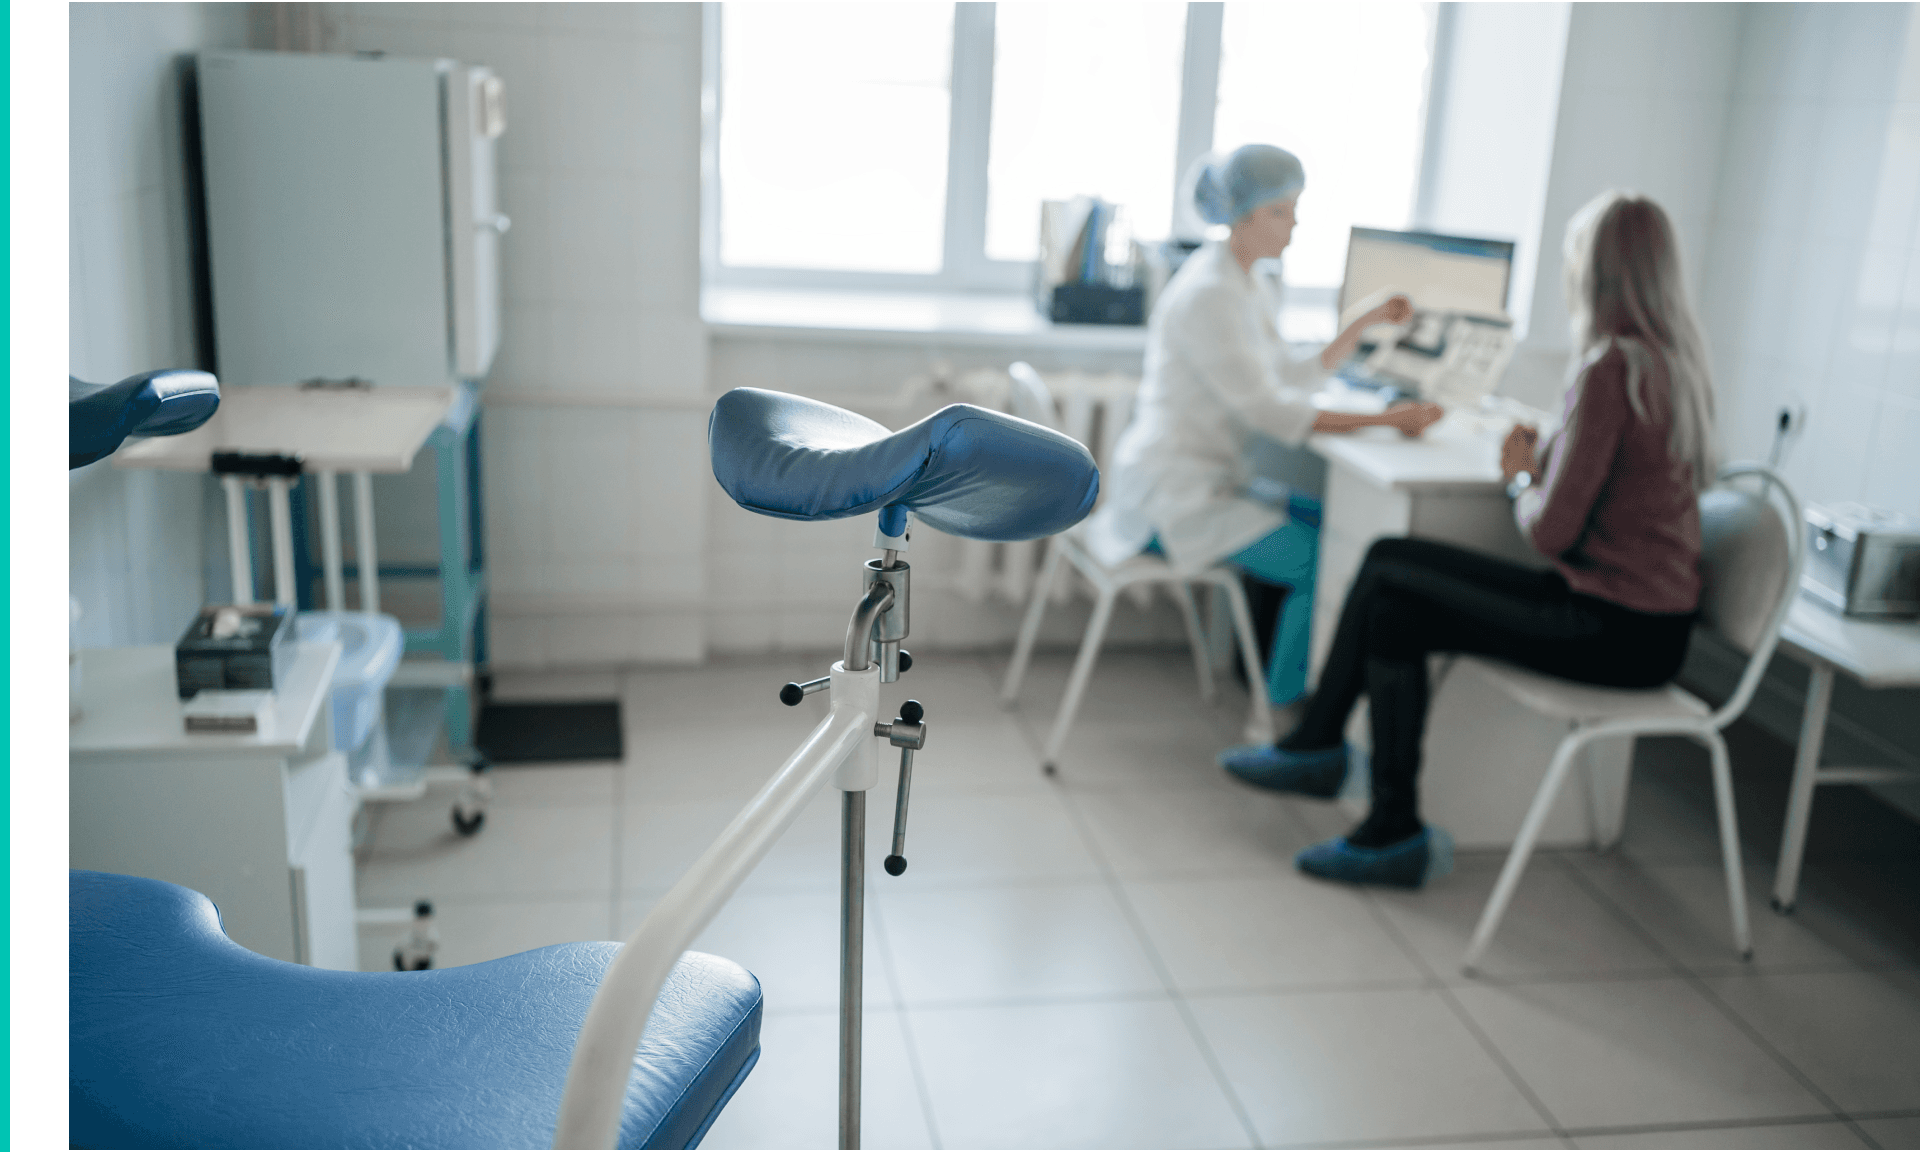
x,y
903,318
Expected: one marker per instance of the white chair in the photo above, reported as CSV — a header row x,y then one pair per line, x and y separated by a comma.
x,y
1750,570
1030,399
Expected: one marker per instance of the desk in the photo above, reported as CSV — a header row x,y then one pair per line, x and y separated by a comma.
x,y
1879,654
260,823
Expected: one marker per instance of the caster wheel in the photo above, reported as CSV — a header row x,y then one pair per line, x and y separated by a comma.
x,y
421,965
465,826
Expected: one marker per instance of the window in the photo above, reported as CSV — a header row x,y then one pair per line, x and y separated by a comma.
x,y
892,145
835,149
1351,106
1081,106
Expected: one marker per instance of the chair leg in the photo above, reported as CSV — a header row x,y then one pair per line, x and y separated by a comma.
x,y
1030,627
1503,890
1730,844
1609,770
1259,709
1077,683
1196,639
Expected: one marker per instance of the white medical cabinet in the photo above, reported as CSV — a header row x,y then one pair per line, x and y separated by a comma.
x,y
352,226
261,823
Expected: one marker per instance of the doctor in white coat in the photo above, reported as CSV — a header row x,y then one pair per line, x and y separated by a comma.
x,y
1216,372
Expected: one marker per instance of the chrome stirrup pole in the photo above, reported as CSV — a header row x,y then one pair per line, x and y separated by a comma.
x,y
853,873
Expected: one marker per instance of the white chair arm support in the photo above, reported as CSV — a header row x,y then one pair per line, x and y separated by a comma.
x,y
1773,489
590,1107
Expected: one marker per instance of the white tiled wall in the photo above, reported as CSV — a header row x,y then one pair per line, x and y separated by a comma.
x,y
136,540
595,447
1812,286
1644,101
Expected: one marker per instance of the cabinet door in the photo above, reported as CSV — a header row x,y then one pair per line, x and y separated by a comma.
x,y
321,800
216,826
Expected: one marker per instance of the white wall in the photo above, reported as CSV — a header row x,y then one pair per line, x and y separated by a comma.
x,y
137,541
595,427
1492,134
1812,285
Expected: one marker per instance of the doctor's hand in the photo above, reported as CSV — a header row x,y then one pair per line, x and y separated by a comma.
x,y
1395,309
1410,419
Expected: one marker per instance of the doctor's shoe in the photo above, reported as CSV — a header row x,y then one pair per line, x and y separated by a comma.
x,y
1316,773
1424,856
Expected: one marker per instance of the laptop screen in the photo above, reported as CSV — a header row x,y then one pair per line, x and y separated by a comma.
x,y
1440,273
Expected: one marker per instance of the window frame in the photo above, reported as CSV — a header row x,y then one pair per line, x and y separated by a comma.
x,y
965,266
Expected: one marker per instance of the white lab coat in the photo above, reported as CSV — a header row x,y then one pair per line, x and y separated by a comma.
x,y
1216,371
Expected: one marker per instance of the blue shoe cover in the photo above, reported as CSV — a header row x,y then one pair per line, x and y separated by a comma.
x,y
1316,773
1425,856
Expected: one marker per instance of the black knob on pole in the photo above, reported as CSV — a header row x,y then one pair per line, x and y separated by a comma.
x,y
895,865
912,712
791,694
906,660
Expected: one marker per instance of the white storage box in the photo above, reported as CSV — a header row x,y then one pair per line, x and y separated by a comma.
x,y
370,647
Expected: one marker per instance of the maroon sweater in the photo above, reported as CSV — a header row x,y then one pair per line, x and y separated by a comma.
x,y
1615,512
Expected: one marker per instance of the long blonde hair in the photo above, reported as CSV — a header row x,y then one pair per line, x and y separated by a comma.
x,y
1624,287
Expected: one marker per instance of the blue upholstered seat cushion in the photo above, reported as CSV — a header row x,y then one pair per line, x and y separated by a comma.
x,y
964,470
163,403
181,1038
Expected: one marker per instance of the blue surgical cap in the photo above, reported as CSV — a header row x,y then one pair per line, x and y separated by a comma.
x,y
1230,187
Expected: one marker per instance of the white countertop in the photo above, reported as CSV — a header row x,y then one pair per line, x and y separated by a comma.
x,y
130,704
350,430
1878,653
901,317
1461,451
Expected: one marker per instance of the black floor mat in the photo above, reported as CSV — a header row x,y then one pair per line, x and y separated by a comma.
x,y
567,730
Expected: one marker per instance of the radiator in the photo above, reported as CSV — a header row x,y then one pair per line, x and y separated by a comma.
x,y
1093,409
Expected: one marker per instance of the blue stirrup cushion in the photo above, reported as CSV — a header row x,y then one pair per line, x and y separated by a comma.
x,y
965,470
162,403
180,1038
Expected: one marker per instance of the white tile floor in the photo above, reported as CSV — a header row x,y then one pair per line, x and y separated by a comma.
x,y
1125,957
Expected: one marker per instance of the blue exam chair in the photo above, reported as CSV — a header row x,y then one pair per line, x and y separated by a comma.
x,y
181,1038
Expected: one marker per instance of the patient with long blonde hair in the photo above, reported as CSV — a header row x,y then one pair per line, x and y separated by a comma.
x,y
1610,501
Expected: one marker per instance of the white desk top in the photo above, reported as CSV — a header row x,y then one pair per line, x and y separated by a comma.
x,y
131,707
1878,653
1461,451
376,430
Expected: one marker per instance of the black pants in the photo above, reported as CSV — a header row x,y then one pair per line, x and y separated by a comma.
x,y
1415,597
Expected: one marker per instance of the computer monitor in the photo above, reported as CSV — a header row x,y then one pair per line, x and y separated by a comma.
x,y
1440,273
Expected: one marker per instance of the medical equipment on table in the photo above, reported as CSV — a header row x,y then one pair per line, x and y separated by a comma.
x,y
180,1037
1459,340
1864,561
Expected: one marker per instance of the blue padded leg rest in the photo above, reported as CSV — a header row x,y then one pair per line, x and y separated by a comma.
x,y
181,1038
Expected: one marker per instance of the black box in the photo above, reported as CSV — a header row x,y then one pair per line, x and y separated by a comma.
x,y
257,656
1097,304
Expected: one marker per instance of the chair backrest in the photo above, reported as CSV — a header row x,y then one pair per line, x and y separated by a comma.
x,y
1752,544
1030,398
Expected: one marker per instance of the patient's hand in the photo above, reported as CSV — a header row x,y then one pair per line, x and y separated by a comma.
x,y
1516,452
1412,419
